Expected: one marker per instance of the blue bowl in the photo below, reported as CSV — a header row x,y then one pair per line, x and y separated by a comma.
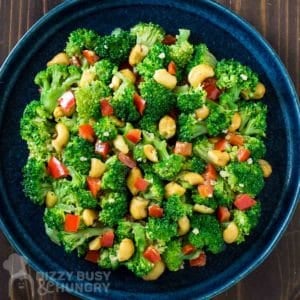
x,y
227,36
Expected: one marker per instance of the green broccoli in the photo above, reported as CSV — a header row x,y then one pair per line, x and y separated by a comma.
x,y
139,265
114,207
36,129
81,39
139,154
194,164
182,51
88,100
115,46
105,70
222,193
206,233
109,258
105,129
161,229
157,58
36,182
147,34
175,208
201,147
189,101
114,178
256,146
54,218
78,154
243,177
210,202
124,229
173,256
201,55
155,191
54,81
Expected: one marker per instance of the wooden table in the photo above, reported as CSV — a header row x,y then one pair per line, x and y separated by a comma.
x,y
278,278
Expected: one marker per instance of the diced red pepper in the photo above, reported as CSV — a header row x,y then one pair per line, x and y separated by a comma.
x,y
172,68
183,148
155,211
56,168
106,108
223,214
243,154
139,103
92,256
169,39
188,249
243,201
87,132
221,145
152,254
210,172
209,85
134,135
235,139
107,239
90,56
67,103
200,261
205,190
94,185
102,148
141,184
126,160
72,223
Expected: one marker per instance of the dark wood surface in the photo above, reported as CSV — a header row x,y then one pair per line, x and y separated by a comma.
x,y
278,278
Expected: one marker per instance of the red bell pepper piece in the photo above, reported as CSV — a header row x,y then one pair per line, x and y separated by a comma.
x,y
67,103
139,103
200,261
155,211
107,239
106,108
152,254
71,223
92,256
56,168
102,148
183,148
87,132
94,185
126,160
134,135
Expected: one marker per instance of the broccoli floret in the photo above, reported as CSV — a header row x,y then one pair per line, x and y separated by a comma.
x,y
54,218
147,34
159,100
114,207
114,178
254,119
201,148
222,193
194,164
148,123
54,81
173,256
123,103
36,130
77,154
81,39
139,154
202,55
256,146
116,46
175,208
162,229
206,233
109,258
190,128
245,178
105,129
210,202
139,234
155,191
88,100
124,230
182,51
157,58
189,101
105,70
139,265
36,182
246,220
71,241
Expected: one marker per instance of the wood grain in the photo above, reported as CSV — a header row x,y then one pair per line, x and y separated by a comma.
x,y
278,278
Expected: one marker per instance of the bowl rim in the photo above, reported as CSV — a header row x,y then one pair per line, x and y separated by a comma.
x,y
249,29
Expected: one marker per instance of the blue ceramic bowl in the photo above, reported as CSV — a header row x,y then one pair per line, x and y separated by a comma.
x,y
227,36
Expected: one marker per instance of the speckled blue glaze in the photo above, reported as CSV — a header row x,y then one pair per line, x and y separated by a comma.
x,y
227,35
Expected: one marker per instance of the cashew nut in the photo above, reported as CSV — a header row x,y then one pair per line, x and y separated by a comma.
x,y
236,121
163,77
51,199
89,216
218,158
62,137
266,167
167,127
137,54
192,178
97,168
173,188
231,233
199,73
157,271
126,249
202,113
60,58
127,73
258,93
58,112
183,225
87,77
150,153
120,144
138,208
203,209
95,244
134,174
